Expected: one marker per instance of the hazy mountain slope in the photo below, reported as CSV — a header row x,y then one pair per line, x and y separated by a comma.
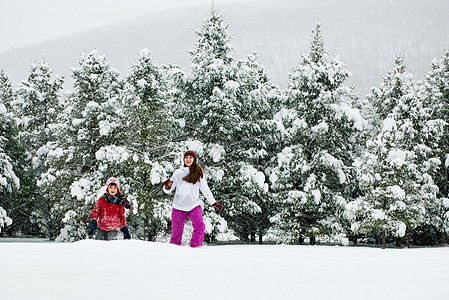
x,y
366,34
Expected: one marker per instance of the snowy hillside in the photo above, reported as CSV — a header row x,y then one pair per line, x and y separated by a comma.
x,y
133,269
367,35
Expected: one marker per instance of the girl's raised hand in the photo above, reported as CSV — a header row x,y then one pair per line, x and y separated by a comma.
x,y
167,184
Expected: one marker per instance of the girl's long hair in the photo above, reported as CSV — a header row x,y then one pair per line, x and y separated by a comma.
x,y
195,173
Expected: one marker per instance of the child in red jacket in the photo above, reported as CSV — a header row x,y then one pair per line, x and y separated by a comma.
x,y
109,213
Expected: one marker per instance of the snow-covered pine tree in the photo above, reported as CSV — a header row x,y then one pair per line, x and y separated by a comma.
x,y
321,131
37,109
211,62
88,130
253,148
436,93
396,171
395,85
225,105
8,137
204,114
7,95
9,153
145,133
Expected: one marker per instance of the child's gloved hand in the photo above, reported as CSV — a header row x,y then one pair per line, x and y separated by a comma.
x,y
218,205
93,227
124,200
126,234
167,184
128,205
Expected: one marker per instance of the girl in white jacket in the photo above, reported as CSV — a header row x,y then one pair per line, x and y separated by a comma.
x,y
188,181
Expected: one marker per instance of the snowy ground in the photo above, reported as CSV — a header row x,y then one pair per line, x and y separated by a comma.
x,y
144,270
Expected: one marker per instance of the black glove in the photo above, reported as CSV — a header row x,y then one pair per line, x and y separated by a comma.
x,y
218,205
126,234
93,227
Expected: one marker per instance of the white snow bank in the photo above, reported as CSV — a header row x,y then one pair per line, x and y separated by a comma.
x,y
144,270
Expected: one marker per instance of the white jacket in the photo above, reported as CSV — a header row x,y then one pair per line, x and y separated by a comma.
x,y
187,194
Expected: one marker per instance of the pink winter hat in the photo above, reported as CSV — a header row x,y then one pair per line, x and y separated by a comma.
x,y
115,181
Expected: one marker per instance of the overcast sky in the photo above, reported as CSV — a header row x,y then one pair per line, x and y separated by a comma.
x,y
24,22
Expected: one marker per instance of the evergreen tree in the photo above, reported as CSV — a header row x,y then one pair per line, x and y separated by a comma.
x,y
88,131
396,173
437,98
7,96
436,94
225,107
145,134
320,131
204,114
9,180
36,112
253,146
38,109
395,86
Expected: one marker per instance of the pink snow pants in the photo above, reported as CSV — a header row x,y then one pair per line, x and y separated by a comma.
x,y
178,219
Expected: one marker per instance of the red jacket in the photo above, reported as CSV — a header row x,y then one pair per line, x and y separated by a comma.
x,y
109,216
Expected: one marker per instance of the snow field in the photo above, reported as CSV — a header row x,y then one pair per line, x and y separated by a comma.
x,y
134,269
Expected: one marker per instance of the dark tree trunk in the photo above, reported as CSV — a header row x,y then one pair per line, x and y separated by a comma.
x,y
407,236
146,233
